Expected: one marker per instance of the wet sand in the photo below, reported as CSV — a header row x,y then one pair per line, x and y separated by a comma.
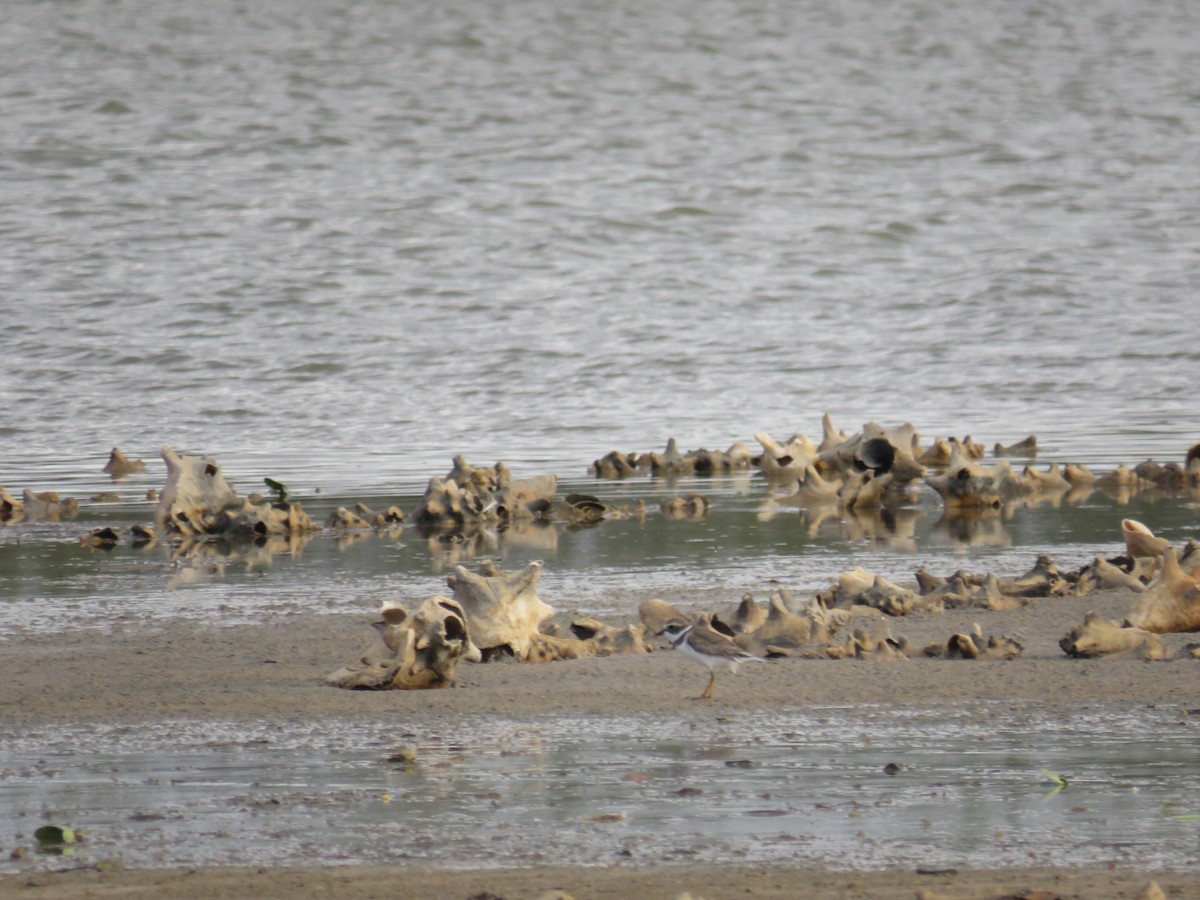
x,y
274,672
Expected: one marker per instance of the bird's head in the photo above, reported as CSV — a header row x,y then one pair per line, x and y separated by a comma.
x,y
674,629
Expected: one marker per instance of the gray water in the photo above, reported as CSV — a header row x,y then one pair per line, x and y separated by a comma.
x,y
336,244
351,239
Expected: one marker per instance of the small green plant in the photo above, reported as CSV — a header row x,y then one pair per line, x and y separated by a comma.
x,y
278,488
1060,783
54,835
56,839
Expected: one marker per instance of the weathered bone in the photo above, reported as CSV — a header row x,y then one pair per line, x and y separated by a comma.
x,y
1141,541
194,495
877,448
502,610
1040,581
119,465
1050,480
615,465
809,491
470,497
749,616
412,652
656,613
1078,474
973,646
252,521
830,436
785,462
1171,602
10,507
864,490
609,640
1098,636
968,484
1027,447
865,634
937,454
671,462
1103,574
47,505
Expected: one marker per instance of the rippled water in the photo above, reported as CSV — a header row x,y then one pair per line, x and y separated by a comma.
x,y
357,238
338,243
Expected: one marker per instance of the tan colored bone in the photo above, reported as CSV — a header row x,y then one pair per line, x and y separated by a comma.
x,y
1103,574
194,495
966,484
412,652
1171,602
1026,447
1141,541
502,609
610,640
119,465
787,461
1098,636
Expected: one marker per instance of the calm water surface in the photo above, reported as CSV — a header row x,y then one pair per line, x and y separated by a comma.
x,y
337,245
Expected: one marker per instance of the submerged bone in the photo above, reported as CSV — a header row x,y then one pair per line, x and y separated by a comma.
x,y
119,465
787,461
966,484
1026,447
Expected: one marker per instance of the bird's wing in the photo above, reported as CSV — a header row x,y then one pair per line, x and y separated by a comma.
x,y
714,643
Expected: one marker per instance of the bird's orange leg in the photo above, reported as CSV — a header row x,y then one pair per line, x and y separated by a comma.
x,y
708,691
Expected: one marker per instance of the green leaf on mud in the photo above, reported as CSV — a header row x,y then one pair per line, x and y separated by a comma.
x,y
52,835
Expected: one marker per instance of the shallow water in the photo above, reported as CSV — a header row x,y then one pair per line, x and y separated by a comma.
x,y
344,244
778,787
747,542
338,246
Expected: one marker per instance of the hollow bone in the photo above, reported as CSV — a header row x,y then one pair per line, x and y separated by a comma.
x,y
413,652
502,609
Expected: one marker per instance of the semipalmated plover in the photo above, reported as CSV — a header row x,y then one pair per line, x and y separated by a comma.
x,y
700,642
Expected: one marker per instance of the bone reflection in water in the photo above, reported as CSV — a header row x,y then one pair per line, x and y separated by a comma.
x,y
895,529
973,527
196,561
448,549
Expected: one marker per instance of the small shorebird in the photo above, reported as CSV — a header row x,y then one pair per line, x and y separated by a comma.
x,y
700,642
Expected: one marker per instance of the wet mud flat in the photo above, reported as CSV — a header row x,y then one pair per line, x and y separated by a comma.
x,y
847,786
195,745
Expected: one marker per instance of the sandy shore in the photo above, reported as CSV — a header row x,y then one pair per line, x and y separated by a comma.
x,y
265,673
695,881
273,671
